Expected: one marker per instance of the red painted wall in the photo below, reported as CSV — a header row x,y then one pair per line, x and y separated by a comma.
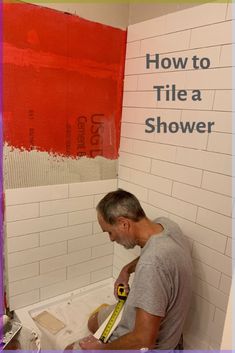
x,y
63,81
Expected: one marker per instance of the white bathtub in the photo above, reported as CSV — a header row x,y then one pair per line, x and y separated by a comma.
x,y
73,309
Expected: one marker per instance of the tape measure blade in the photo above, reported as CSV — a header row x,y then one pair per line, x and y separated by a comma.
x,y
102,327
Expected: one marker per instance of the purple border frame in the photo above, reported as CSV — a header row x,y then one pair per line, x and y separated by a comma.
x,y
2,309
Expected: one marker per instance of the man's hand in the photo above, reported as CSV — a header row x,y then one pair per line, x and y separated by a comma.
x,y
123,278
90,342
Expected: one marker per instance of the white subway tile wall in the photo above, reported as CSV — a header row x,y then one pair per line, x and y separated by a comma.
x,y
187,177
53,241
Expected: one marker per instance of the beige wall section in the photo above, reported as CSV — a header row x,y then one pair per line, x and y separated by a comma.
x,y
140,12
115,14
25,169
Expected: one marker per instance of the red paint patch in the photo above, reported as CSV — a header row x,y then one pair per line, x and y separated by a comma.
x,y
63,80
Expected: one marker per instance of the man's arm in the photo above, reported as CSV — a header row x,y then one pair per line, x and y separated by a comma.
x,y
144,334
124,276
130,268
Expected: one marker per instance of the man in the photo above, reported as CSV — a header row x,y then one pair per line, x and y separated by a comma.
x,y
159,297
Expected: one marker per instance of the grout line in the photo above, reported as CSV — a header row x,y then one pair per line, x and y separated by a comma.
x,y
181,31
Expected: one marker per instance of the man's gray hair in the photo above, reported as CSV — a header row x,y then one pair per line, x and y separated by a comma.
x,y
120,203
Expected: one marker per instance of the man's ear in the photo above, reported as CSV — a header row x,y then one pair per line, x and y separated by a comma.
x,y
124,223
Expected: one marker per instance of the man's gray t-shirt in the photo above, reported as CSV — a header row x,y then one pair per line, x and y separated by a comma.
x,y
161,285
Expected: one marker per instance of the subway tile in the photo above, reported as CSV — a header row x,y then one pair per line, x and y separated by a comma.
x,y
155,150
135,131
228,250
19,301
208,199
136,66
222,120
133,253
140,192
225,284
230,12
199,318
126,255
101,274
166,43
64,286
150,181
215,221
131,83
87,242
133,49
96,228
117,268
173,205
139,115
36,225
124,173
218,78
146,29
20,212
217,183
61,234
89,266
215,34
146,82
139,99
206,102
83,216
60,262
25,285
126,145
22,272
31,255
220,142
190,140
214,162
119,262
196,16
153,212
66,205
35,194
210,293
22,243
97,199
223,100
177,172
226,55
206,273
102,250
217,327
202,235
134,161
212,258
92,187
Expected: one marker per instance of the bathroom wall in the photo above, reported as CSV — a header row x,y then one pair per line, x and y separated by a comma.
x,y
185,176
54,242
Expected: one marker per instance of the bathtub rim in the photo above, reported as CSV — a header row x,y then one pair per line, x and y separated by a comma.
x,y
24,315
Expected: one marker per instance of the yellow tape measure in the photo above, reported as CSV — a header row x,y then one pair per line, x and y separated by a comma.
x,y
122,296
